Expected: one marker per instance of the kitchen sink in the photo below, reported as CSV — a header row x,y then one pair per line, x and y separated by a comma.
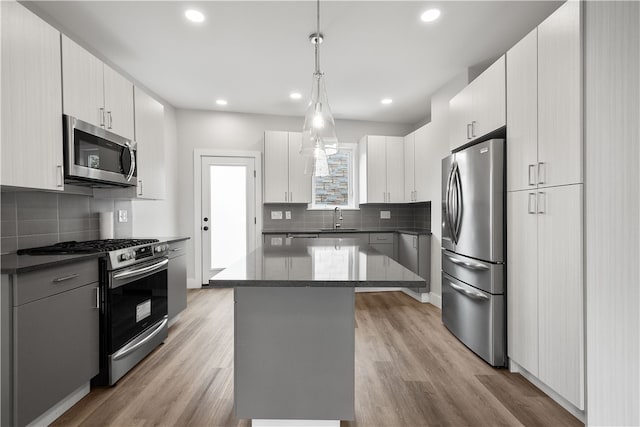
x,y
337,230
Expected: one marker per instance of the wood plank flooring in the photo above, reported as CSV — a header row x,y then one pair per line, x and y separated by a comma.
x,y
410,371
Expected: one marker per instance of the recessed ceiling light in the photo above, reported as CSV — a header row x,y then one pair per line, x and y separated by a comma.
x,y
430,15
194,15
221,101
295,95
387,101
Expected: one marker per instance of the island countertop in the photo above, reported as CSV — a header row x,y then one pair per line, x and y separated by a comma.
x,y
317,263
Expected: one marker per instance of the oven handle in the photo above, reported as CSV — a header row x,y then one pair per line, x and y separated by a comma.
x,y
140,271
140,341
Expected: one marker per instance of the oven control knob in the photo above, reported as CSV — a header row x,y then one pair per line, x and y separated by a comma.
x,y
125,256
159,248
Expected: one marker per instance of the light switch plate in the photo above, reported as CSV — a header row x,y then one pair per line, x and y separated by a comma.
x,y
276,214
122,215
385,214
287,214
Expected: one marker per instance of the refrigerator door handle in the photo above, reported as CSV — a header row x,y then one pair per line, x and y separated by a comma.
x,y
469,265
449,204
470,294
458,213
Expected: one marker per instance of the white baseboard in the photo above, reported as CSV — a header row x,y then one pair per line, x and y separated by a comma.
x,y
192,283
570,407
295,423
435,299
377,289
418,296
61,407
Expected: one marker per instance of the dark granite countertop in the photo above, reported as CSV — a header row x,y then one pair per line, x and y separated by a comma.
x,y
317,262
414,231
165,239
14,264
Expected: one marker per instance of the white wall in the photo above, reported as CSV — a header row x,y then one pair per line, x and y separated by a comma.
x,y
612,198
438,149
158,218
198,129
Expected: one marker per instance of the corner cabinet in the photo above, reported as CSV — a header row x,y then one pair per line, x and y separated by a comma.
x,y
149,120
94,92
416,157
381,169
31,121
480,108
545,204
285,180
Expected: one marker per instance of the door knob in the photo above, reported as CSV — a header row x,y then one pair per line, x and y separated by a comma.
x,y
205,228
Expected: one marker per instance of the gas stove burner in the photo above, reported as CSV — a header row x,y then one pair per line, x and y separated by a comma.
x,y
86,247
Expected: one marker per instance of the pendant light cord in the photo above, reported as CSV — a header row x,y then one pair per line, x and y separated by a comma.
x,y
317,37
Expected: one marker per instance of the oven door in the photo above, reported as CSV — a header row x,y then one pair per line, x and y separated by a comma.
x,y
136,300
94,154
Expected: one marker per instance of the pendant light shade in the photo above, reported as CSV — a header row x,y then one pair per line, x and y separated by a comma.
x,y
319,138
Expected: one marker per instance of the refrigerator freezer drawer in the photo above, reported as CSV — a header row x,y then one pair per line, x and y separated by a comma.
x,y
476,318
480,274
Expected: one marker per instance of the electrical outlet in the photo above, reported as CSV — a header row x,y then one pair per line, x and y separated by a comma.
x,y
122,215
287,214
385,214
276,214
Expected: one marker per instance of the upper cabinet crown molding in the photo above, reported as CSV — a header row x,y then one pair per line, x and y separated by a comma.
x,y
31,119
94,92
479,108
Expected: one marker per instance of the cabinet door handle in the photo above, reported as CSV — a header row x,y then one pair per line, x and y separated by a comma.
x,y
97,298
286,196
384,196
542,173
59,176
468,130
110,120
532,174
531,205
542,202
415,242
101,117
140,192
65,278
473,129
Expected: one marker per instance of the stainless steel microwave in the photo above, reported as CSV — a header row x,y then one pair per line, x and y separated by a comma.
x,y
94,156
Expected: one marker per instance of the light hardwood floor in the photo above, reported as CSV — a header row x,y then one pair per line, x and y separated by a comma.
x,y
410,371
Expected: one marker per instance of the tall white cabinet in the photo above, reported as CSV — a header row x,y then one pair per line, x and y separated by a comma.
x,y
416,156
285,180
31,121
94,92
149,121
381,169
545,204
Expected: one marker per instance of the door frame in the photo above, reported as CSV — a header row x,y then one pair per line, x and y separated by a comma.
x,y
198,154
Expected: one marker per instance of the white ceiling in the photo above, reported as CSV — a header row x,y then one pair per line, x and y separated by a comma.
x,y
254,53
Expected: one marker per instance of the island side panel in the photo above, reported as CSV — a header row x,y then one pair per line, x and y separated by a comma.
x,y
294,353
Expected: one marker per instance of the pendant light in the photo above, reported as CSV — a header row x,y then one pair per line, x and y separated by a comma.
x,y
319,138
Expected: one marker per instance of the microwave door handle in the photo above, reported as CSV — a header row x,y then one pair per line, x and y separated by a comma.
x,y
133,161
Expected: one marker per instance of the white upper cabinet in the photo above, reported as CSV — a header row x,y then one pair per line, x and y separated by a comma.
x,y
409,167
381,169
522,108
480,108
31,134
560,97
284,167
544,104
149,118
95,93
416,156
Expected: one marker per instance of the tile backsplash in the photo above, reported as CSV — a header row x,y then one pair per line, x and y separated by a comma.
x,y
416,215
36,218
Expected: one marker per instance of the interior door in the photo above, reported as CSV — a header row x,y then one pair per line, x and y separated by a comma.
x,y
228,220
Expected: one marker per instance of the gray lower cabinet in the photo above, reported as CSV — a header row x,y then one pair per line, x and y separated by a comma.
x,y
56,349
177,278
383,243
414,252
53,332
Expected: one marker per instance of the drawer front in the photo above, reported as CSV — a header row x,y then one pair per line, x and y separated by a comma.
x,y
483,275
37,284
381,238
177,248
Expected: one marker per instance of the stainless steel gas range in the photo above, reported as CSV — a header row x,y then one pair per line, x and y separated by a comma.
x,y
133,284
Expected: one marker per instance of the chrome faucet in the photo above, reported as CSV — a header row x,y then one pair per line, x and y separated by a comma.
x,y
337,218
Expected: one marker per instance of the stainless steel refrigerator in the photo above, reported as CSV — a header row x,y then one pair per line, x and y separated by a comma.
x,y
474,248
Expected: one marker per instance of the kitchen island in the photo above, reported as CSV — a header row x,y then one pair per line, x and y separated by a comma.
x,y
294,348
